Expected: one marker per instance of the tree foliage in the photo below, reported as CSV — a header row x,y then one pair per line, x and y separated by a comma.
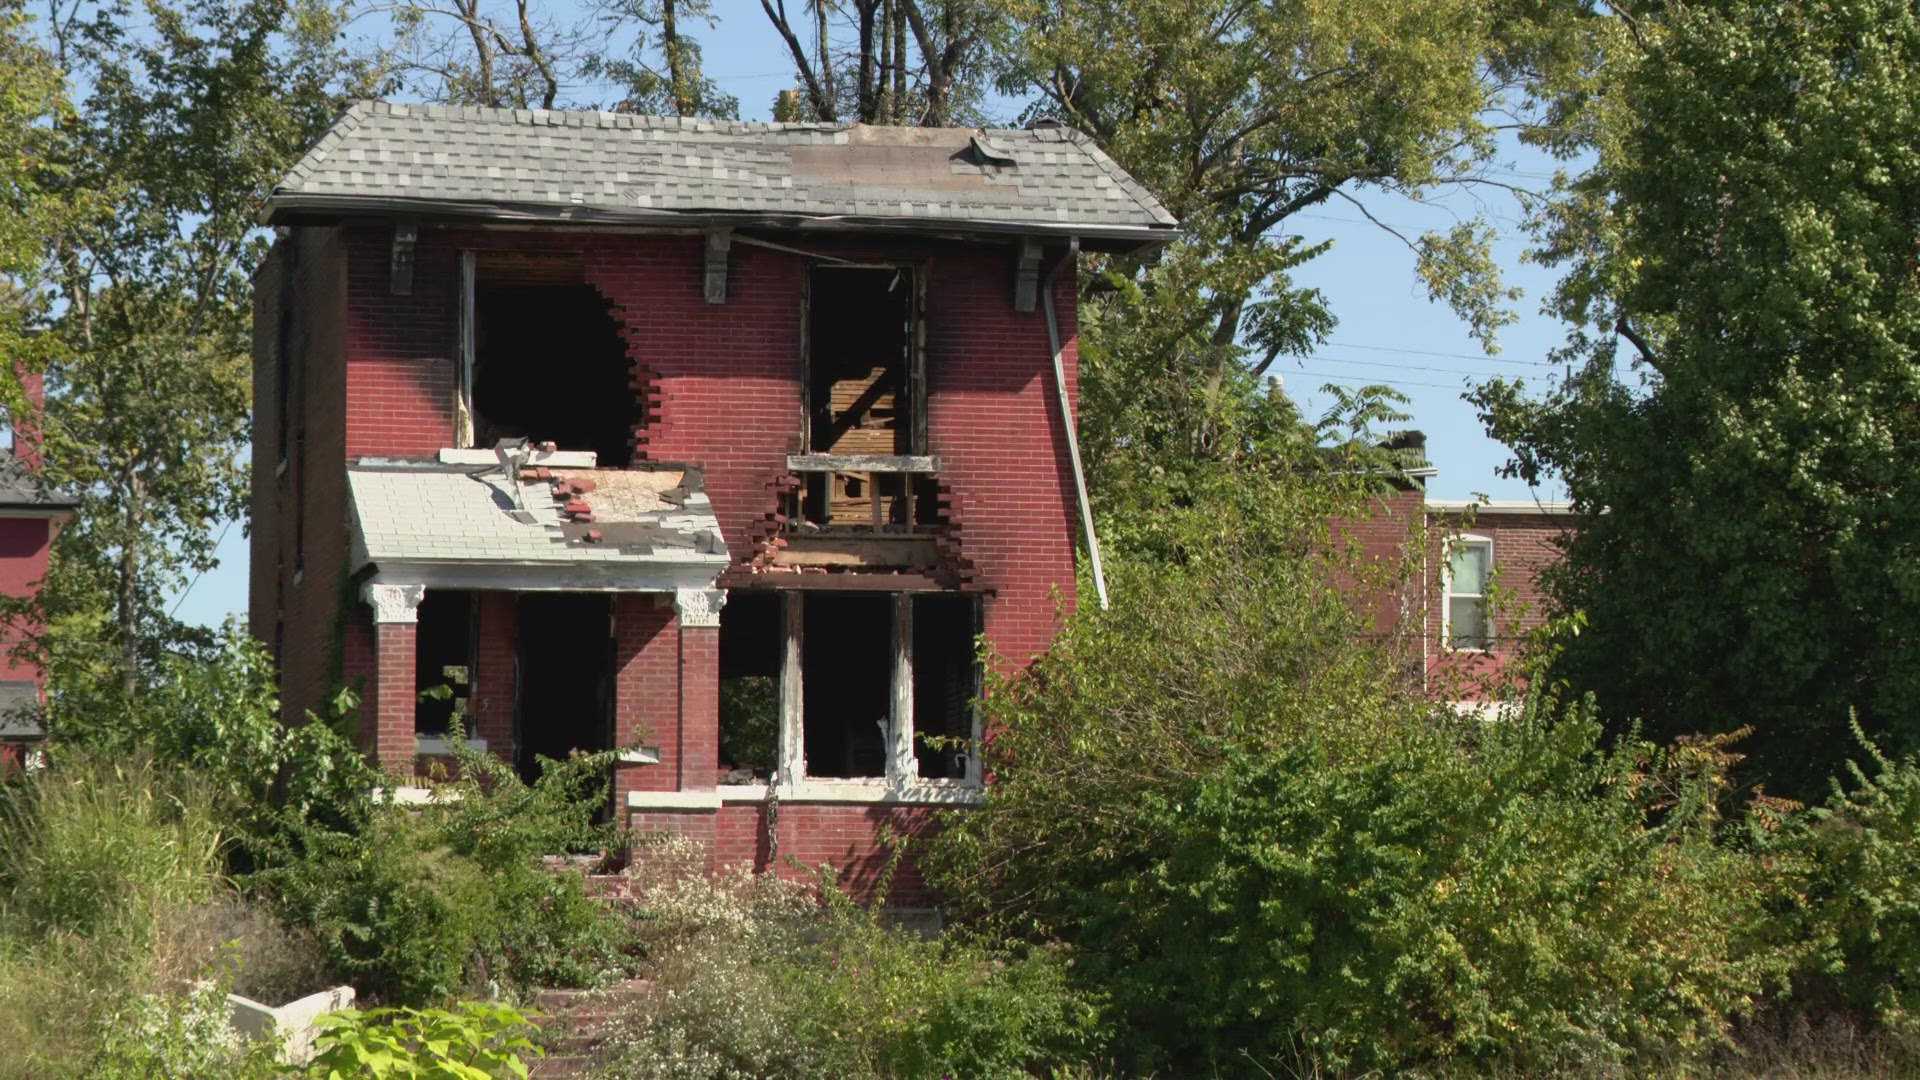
x,y
1240,118
1741,390
185,116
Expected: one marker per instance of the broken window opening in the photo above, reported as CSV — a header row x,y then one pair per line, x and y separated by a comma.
x,y
549,363
945,684
847,684
564,700
443,660
863,393
752,626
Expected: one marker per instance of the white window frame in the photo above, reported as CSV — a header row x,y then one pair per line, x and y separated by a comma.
x,y
1454,545
902,780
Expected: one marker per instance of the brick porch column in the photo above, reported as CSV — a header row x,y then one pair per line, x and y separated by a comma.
x,y
699,611
396,614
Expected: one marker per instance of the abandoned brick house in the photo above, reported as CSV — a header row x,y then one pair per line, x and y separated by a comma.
x,y
714,443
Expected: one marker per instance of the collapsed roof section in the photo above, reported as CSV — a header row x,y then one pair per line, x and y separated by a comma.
x,y
418,521
533,165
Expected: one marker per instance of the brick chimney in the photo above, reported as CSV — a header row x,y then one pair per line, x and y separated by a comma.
x,y
26,428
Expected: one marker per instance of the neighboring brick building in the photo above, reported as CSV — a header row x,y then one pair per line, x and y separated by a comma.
x,y
715,443
1482,577
30,517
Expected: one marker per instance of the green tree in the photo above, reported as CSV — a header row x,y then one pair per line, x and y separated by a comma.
x,y
188,115
1742,388
1239,117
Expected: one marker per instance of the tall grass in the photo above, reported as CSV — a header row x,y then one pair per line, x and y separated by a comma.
x,y
100,861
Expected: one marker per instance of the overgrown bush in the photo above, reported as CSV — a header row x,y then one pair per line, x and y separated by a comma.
x,y
428,902
1859,906
1233,807
472,1041
760,977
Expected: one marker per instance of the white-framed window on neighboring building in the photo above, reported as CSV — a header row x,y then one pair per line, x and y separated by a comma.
x,y
1468,623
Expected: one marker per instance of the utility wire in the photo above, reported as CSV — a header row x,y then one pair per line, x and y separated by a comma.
x,y
1430,352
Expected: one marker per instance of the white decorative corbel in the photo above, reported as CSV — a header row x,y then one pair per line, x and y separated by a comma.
x,y
393,603
699,607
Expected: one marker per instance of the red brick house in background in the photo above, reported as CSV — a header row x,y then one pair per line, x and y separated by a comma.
x,y
1483,567
1469,590
715,443
30,517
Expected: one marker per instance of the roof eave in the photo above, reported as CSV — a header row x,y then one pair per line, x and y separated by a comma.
x,y
291,208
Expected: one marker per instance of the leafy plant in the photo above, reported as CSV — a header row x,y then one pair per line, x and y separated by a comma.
x,y
424,902
471,1041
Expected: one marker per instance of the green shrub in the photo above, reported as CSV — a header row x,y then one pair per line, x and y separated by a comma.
x,y
1225,800
758,977
428,902
471,1041
1859,905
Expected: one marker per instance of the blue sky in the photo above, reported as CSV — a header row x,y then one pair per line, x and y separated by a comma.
x,y
1388,332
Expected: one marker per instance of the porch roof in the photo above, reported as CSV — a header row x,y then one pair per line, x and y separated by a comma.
x,y
417,512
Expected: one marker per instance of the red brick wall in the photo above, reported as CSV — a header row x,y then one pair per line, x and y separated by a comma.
x,y
296,581
25,544
646,694
840,835
389,704
1523,546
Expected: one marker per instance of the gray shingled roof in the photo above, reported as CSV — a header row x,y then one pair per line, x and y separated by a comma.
x,y
20,488
594,166
409,513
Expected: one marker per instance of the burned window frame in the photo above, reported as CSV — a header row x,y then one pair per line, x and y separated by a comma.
x,y
917,437
901,744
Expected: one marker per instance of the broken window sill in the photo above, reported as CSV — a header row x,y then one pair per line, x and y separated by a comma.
x,y
436,745
941,792
415,796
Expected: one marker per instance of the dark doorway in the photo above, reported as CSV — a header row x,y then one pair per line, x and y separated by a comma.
x,y
847,683
566,676
549,364
443,660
